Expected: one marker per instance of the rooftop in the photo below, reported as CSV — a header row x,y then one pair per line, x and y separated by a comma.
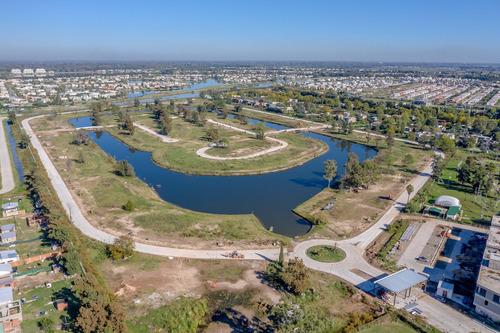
x,y
6,295
8,227
489,277
447,201
9,205
401,280
8,234
9,254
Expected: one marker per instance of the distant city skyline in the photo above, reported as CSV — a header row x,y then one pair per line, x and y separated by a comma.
x,y
373,31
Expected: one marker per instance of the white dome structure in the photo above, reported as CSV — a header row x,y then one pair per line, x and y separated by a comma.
x,y
447,201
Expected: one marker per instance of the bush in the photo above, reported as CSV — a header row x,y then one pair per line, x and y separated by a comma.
x,y
129,206
121,248
124,169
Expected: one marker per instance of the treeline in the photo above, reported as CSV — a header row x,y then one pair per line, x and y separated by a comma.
x,y
420,117
99,309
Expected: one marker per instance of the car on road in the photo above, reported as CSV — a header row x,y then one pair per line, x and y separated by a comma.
x,y
423,259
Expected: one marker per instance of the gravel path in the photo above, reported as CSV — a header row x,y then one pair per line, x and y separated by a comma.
x,y
8,182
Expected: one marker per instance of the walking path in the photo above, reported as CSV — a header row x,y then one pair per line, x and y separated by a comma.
x,y
8,183
433,310
163,138
202,151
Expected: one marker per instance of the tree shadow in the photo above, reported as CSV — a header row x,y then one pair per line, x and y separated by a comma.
x,y
70,296
239,323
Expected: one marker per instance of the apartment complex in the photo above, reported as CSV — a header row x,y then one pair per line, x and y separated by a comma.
x,y
487,295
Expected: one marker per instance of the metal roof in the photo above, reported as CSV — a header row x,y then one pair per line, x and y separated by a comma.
x,y
6,295
454,210
9,254
8,205
8,234
8,227
447,201
401,280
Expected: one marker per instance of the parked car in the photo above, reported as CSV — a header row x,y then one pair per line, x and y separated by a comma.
x,y
424,259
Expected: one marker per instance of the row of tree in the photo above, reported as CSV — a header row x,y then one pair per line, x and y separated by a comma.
x,y
98,308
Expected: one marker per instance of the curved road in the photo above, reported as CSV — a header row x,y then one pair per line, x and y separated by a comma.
x,y
438,314
8,183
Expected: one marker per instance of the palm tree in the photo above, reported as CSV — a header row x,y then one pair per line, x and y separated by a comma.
x,y
409,189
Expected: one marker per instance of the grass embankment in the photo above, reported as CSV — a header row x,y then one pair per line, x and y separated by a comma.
x,y
354,212
181,156
395,230
103,193
326,253
472,206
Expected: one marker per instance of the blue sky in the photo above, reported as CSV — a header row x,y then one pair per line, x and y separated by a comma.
x,y
374,30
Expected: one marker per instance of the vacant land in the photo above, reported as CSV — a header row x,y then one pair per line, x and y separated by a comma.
x,y
343,220
101,194
235,290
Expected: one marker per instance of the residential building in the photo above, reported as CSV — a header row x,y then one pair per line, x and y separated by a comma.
x,y
8,256
10,208
8,233
487,295
10,311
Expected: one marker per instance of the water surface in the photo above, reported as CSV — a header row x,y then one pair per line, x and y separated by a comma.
x,y
271,197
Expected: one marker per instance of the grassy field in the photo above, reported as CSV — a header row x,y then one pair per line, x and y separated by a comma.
x,y
181,156
343,221
389,328
45,303
451,186
153,218
325,253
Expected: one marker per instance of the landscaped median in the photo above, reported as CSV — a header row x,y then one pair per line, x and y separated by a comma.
x,y
326,253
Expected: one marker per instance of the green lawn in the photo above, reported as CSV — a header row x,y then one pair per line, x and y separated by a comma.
x,y
46,296
155,218
451,186
181,156
325,253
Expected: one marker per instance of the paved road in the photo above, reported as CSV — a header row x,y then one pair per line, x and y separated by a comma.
x,y
89,230
163,138
202,151
7,173
432,309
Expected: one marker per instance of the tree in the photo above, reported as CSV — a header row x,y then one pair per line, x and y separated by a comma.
x,y
122,247
370,172
129,206
71,259
354,176
409,189
46,324
129,125
24,140
408,160
80,158
446,144
11,119
296,276
437,166
224,114
124,169
260,131
238,108
81,138
389,160
213,134
137,103
281,258
330,170
390,139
